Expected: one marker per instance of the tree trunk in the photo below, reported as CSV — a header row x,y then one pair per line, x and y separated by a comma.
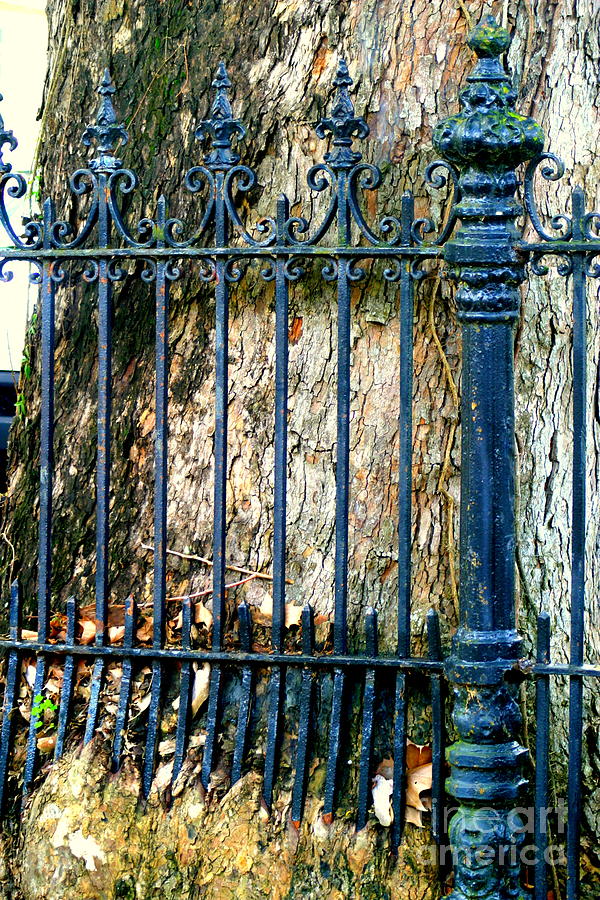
x,y
408,62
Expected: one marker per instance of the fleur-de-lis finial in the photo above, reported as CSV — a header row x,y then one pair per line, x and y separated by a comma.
x,y
221,127
342,123
106,131
6,137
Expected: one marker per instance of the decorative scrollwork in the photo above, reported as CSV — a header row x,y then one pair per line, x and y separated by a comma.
x,y
355,272
124,181
91,271
435,178
369,178
243,179
63,235
320,177
59,274
116,270
393,269
234,270
592,269
14,185
294,269
172,270
554,172
268,270
148,273
6,137
207,270
591,226
330,269
6,275
35,275
538,267
416,272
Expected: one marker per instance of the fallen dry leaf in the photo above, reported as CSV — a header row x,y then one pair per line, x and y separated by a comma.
x,y
382,800
144,632
418,781
413,816
418,754
264,613
200,687
115,613
419,777
88,631
46,744
202,615
116,633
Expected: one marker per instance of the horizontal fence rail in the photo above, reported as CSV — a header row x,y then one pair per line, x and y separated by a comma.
x,y
486,254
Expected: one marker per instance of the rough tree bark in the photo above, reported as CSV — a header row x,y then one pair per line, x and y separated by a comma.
x,y
408,61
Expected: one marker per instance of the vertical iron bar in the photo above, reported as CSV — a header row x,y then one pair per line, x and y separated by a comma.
x,y
366,749
46,432
13,668
125,686
160,495
47,303
342,490
405,430
306,697
185,689
104,414
437,727
245,708
161,436
277,684
578,525
66,693
220,482
404,519
542,739
103,452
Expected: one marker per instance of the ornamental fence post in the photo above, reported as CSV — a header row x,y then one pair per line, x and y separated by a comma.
x,y
486,140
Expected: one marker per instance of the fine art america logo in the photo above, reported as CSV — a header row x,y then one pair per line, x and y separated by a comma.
x,y
491,838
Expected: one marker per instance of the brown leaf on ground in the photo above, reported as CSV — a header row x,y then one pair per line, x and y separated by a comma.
x,y
46,744
263,614
144,632
418,782
417,754
418,785
116,633
88,631
115,614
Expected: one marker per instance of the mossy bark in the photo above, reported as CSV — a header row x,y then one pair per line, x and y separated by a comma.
x,y
408,61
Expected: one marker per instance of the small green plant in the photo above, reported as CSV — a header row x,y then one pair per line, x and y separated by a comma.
x,y
20,405
40,705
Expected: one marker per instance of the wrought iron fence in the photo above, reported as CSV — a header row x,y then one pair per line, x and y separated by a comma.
x,y
486,255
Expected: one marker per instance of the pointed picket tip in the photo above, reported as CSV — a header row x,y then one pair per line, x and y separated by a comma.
x,y
221,79
106,85
342,75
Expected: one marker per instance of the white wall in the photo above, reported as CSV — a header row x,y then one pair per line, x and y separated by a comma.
x,y
23,41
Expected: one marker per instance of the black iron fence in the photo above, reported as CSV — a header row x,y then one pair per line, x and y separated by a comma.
x,y
485,253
